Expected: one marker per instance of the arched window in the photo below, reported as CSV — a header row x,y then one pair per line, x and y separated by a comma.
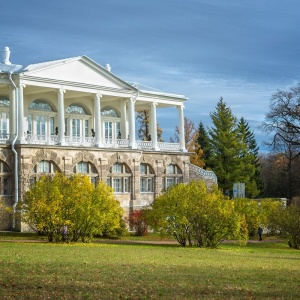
x,y
76,109
146,178
88,169
40,119
111,124
4,118
40,105
77,121
173,175
119,178
109,111
5,179
43,167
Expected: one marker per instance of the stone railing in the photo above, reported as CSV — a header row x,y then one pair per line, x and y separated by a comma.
x,y
39,139
207,175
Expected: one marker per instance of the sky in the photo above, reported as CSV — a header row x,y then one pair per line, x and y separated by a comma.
x,y
240,50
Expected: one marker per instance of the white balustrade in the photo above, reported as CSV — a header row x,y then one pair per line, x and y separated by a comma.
x,y
91,142
204,173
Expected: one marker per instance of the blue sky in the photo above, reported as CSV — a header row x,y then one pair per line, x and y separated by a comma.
x,y
204,49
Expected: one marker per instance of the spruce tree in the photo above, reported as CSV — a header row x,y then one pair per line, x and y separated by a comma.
x,y
225,147
203,141
249,157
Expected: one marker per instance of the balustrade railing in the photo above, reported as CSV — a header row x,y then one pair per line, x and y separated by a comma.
x,y
79,141
204,173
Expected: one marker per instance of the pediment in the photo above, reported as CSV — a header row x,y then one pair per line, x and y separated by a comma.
x,y
80,70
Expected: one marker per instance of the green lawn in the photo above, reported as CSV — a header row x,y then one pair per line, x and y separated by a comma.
x,y
119,271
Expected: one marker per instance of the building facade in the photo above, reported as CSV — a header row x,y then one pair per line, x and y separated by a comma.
x,y
75,116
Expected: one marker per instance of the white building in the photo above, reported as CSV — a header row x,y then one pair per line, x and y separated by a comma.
x,y
73,115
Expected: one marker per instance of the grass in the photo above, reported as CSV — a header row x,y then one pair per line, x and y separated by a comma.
x,y
141,271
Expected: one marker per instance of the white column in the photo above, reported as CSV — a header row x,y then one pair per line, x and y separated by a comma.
x,y
33,122
97,120
124,132
12,112
69,133
181,128
154,126
61,117
21,138
132,142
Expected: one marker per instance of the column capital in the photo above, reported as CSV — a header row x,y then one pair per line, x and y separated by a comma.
x,y
132,99
180,107
154,103
21,85
98,95
61,90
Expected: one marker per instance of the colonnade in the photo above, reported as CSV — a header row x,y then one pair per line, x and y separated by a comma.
x,y
17,108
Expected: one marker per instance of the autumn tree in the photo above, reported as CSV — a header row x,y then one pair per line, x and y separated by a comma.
x,y
137,221
191,142
59,205
283,118
249,210
195,215
290,224
282,122
144,132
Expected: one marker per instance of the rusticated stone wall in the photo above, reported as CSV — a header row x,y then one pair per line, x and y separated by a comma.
x,y
102,159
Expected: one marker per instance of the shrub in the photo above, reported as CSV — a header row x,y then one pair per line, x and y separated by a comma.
x,y
137,221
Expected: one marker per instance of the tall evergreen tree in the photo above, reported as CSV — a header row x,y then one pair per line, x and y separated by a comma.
x,y
224,157
203,141
249,157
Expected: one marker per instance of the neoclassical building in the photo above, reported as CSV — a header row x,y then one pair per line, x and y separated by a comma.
x,y
75,116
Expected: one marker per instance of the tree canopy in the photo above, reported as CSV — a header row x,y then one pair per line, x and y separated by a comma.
x,y
231,151
195,215
59,206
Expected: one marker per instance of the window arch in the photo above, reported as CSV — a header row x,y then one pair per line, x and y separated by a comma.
x,y
77,122
173,175
43,167
109,111
119,178
88,169
41,118
5,179
40,104
111,124
146,178
4,102
76,109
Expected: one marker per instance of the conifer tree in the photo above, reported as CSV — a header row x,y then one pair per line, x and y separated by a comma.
x,y
249,157
225,147
203,141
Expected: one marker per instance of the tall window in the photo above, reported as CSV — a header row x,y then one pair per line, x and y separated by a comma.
x,y
40,119
173,175
147,178
5,179
88,169
119,178
43,167
111,121
77,121
4,117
